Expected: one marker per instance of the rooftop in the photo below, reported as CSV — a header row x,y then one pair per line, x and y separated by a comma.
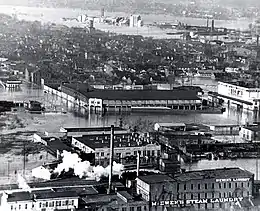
x,y
254,128
222,173
155,178
40,194
103,140
89,129
135,94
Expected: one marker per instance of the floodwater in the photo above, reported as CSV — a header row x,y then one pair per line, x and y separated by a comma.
x,y
51,122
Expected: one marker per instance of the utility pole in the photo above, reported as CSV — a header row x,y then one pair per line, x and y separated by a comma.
x,y
24,158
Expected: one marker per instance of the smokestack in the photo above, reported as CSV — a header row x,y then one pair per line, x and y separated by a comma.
x,y
102,12
138,164
111,159
212,25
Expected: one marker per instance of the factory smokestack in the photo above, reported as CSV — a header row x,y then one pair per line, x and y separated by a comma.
x,y
212,25
111,159
102,13
138,164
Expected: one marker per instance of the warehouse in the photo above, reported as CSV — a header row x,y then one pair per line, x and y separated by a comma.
x,y
128,100
203,190
126,146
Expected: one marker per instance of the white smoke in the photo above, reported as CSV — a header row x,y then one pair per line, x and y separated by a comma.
x,y
22,184
41,173
84,169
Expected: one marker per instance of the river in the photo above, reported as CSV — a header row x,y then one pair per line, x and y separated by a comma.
x,y
56,15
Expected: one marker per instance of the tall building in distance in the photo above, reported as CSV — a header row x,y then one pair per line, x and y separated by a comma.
x,y
135,20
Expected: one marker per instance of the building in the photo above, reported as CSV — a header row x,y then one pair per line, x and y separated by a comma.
x,y
53,145
200,190
250,133
126,146
132,100
75,131
120,200
170,127
48,200
240,94
135,20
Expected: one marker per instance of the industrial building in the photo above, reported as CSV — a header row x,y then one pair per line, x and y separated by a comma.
x,y
130,100
80,131
240,94
126,147
202,190
250,132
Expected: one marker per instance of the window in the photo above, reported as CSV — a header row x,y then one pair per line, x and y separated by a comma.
x,y
40,204
139,208
145,208
63,203
123,208
153,152
191,196
51,204
132,209
225,185
224,195
135,152
19,206
206,195
199,186
213,195
97,154
67,202
212,185
184,187
206,186
191,186
178,187
198,195
46,204
219,185
248,184
25,207
242,184
102,154
219,195
12,207
236,185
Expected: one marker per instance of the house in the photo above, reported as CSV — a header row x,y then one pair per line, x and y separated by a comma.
x,y
250,132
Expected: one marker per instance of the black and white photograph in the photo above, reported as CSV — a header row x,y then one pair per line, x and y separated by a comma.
x,y
129,105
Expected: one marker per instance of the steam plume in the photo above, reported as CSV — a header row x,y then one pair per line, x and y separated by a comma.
x,y
41,173
84,169
81,168
22,183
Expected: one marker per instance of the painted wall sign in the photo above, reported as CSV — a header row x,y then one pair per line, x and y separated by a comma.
x,y
233,180
196,201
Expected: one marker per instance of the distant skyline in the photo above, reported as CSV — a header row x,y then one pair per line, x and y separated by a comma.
x,y
235,3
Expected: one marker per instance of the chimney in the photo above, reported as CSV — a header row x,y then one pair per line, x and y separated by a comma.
x,y
138,164
212,25
111,159
102,12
